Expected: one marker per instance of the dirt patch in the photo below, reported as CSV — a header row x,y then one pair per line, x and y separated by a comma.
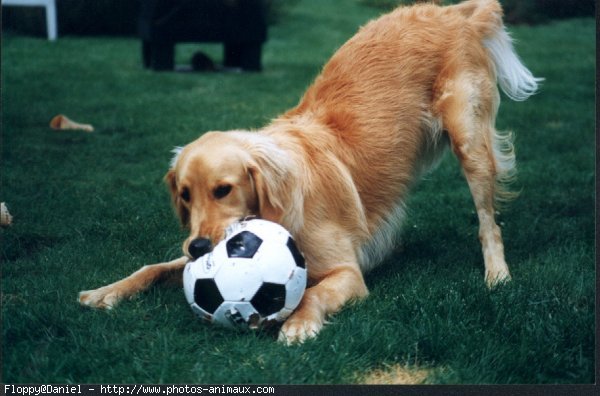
x,y
396,375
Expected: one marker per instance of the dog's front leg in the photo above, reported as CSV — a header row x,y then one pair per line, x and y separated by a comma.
x,y
342,284
108,296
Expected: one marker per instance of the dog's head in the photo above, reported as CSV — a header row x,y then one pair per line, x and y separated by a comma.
x,y
224,177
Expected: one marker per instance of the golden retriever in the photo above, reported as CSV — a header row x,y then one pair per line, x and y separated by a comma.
x,y
336,169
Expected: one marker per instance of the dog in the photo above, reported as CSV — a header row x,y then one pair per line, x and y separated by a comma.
x,y
336,169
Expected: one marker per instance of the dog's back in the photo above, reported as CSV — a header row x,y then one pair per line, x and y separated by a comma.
x,y
381,100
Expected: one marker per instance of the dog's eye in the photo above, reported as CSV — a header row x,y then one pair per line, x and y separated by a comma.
x,y
222,191
185,194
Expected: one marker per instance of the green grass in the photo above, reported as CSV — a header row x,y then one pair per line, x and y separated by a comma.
x,y
91,208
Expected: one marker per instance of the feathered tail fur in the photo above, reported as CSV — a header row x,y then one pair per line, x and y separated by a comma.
x,y
514,78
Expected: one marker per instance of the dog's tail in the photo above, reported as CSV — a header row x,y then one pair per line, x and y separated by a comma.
x,y
517,82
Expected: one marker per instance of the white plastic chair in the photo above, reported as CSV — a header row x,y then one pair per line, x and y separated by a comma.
x,y
49,5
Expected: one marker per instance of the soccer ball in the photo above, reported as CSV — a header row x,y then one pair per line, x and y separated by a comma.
x,y
255,275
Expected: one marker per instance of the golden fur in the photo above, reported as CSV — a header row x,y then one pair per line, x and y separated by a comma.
x,y
336,169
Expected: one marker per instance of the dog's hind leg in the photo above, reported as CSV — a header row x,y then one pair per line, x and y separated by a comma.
x,y
468,108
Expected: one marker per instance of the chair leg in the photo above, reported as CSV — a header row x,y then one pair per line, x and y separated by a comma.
x,y
51,24
146,54
246,56
162,56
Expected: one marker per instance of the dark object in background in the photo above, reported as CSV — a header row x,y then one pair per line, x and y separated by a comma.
x,y
239,24
201,62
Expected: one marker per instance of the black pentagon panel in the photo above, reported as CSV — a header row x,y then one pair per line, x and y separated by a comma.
x,y
207,295
243,245
298,257
269,298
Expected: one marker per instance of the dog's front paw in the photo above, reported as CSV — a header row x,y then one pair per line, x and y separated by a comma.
x,y
299,328
105,297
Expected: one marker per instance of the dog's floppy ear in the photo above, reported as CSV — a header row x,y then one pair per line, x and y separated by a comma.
x,y
273,175
182,212
270,206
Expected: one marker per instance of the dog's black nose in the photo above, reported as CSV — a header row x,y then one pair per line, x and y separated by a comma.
x,y
199,247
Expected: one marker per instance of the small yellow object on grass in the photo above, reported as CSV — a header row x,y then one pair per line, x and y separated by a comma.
x,y
62,122
5,217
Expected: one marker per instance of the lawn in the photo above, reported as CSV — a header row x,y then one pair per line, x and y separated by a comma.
x,y
91,208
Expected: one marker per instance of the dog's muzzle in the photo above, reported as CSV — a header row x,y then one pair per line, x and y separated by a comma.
x,y
199,247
